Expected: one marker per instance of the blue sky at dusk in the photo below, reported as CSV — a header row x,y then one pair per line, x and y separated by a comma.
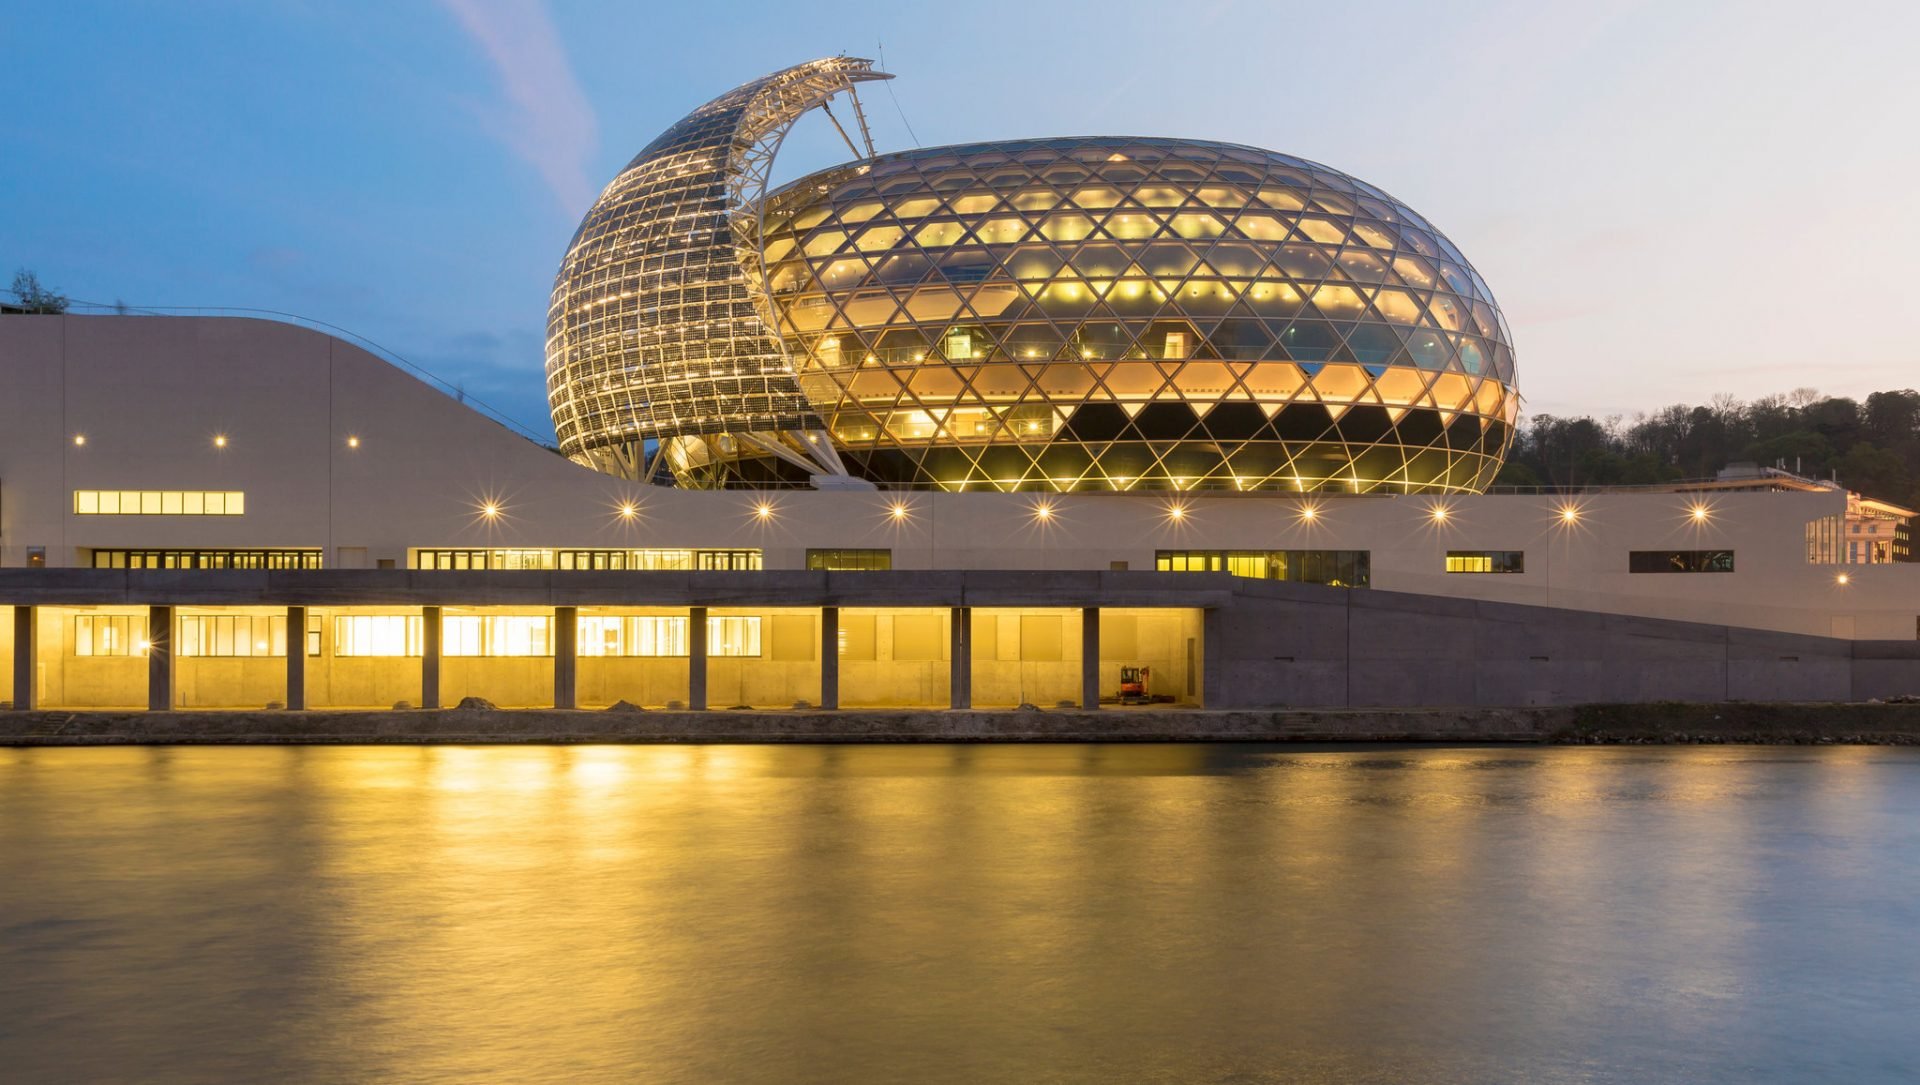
x,y
1670,200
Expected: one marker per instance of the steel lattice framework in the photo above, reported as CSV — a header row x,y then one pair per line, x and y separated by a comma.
x,y
1048,314
1121,313
658,324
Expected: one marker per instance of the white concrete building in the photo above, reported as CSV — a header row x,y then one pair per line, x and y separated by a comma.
x,y
288,468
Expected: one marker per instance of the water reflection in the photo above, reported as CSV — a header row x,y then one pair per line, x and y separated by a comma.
x,y
965,913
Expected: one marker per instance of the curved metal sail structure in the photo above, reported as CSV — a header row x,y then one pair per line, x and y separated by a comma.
x,y
660,327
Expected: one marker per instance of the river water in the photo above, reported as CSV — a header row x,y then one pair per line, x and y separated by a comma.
x,y
1229,914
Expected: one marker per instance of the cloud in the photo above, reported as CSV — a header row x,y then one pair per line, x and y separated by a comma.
x,y
546,119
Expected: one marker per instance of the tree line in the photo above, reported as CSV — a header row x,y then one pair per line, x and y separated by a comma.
x,y
1870,445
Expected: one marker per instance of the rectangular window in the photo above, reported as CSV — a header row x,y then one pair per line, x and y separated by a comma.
x,y
1335,568
496,635
206,559
1680,561
1823,541
634,637
232,635
849,560
377,635
109,635
159,503
733,636
1486,561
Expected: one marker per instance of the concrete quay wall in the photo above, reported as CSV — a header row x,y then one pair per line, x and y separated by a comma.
x,y
1783,723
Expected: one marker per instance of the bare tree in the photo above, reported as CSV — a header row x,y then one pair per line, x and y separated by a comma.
x,y
35,298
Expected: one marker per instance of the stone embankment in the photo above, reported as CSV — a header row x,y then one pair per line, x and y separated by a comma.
x,y
1784,724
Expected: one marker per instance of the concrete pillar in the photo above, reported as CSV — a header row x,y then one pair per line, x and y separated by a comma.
x,y
429,657
829,657
960,658
1212,660
25,635
159,659
566,657
697,658
296,659
1090,657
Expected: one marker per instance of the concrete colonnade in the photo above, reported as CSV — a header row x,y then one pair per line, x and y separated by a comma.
x,y
868,647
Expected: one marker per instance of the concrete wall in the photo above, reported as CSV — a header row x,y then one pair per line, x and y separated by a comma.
x,y
150,393
1297,645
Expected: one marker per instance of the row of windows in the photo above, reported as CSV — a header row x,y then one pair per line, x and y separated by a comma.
x,y
849,560
532,635
225,636
572,560
206,559
1352,568
1336,568
159,503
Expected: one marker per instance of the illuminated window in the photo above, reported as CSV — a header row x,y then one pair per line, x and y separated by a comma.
x,y
159,503
1680,561
636,636
1335,568
206,559
849,560
1486,561
108,634
232,635
377,635
733,636
571,560
496,635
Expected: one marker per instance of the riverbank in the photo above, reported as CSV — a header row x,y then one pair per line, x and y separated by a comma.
x,y
1768,723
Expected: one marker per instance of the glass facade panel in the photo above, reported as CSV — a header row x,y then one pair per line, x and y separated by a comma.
x,y
1178,245
693,307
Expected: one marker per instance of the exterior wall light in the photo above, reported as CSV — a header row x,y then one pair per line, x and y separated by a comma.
x,y
898,511
1699,513
1439,514
1176,513
628,510
1043,511
1309,513
1569,514
79,440
490,510
763,511
1843,580
352,441
219,440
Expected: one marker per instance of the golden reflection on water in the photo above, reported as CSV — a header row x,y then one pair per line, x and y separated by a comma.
x,y
960,913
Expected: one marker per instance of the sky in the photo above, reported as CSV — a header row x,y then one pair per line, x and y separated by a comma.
x,y
1670,200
